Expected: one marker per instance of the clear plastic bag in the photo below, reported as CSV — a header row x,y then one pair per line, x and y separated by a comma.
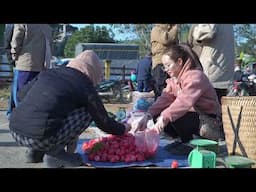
x,y
133,118
147,142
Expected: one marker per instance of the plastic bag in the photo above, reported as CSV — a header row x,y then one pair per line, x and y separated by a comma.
x,y
134,117
147,96
147,142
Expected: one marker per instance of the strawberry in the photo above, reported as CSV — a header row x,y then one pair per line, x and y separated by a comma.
x,y
97,158
174,164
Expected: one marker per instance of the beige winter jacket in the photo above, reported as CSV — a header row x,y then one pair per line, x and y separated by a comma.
x,y
191,41
162,35
217,56
28,46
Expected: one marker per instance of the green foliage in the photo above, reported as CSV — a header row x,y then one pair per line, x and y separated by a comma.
x,y
97,147
142,35
245,35
59,39
183,32
57,30
88,34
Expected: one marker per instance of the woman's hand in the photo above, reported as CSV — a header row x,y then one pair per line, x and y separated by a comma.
x,y
140,125
127,128
160,124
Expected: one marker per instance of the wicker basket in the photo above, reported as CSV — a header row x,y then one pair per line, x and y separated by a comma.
x,y
239,123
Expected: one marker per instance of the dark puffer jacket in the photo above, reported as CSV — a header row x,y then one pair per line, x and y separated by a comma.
x,y
51,96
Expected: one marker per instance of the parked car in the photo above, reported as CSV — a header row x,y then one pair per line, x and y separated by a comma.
x,y
62,62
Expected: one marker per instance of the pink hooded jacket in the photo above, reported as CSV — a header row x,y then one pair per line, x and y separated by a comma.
x,y
190,91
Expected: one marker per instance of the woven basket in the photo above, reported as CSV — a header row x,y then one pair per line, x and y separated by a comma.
x,y
239,123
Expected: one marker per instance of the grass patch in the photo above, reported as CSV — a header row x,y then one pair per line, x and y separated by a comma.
x,y
4,95
5,91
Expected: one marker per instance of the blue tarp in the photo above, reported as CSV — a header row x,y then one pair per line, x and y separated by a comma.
x,y
163,158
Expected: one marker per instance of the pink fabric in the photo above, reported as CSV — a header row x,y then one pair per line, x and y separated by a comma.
x,y
88,63
191,90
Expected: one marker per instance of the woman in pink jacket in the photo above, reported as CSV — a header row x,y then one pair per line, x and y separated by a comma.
x,y
188,104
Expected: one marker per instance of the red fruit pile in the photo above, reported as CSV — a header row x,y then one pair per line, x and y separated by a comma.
x,y
114,149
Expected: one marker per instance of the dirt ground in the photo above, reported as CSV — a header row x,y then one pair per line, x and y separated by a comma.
x,y
113,108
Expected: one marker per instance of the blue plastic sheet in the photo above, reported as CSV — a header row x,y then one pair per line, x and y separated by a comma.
x,y
162,158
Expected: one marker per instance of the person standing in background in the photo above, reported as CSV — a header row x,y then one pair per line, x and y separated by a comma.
x,y
7,42
31,51
161,37
7,47
197,48
218,55
143,71
238,74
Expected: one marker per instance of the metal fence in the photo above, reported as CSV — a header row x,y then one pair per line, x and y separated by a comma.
x,y
6,70
122,73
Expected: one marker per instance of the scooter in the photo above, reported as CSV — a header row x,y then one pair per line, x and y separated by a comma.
x,y
109,89
114,91
246,87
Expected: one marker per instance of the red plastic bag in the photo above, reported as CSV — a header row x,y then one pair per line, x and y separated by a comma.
x,y
147,142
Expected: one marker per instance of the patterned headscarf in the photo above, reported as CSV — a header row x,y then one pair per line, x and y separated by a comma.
x,y
88,63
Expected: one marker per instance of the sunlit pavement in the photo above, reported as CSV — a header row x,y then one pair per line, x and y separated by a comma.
x,y
12,155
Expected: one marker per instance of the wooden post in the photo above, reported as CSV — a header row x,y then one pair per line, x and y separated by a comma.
x,y
107,68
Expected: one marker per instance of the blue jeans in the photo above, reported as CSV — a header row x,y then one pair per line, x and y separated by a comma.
x,y
13,95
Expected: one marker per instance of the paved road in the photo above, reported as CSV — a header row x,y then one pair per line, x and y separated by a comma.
x,y
12,155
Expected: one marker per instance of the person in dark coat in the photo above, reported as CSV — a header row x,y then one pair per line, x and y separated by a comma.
x,y
7,42
57,106
238,74
7,47
143,72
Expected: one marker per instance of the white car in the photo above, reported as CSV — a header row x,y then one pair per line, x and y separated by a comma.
x,y
63,62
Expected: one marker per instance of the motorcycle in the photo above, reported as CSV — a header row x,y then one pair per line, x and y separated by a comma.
x,y
114,91
246,87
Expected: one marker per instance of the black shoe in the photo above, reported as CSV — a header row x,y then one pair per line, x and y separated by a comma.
x,y
62,159
34,156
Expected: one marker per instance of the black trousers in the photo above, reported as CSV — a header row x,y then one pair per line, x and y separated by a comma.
x,y
221,93
184,127
159,77
144,85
